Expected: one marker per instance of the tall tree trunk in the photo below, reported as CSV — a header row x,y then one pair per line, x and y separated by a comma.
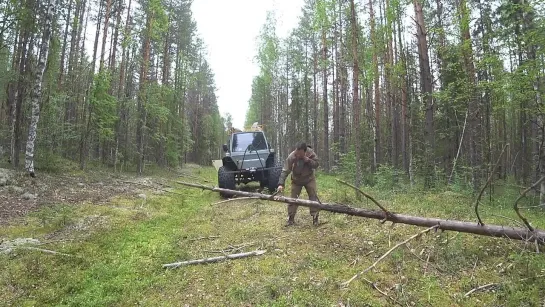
x,y
124,53
325,153
404,92
426,88
307,95
390,93
378,151
115,41
142,95
105,33
166,54
86,117
20,61
22,91
474,120
64,42
343,87
120,102
37,87
315,105
356,99
336,109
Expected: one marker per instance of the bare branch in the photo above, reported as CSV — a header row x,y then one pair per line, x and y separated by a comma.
x,y
234,199
459,149
524,220
374,286
214,259
204,238
481,288
345,284
368,196
478,201
152,187
44,251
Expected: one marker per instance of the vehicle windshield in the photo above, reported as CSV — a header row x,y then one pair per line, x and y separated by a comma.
x,y
248,141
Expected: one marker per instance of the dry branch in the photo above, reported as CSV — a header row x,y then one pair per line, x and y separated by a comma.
x,y
478,201
204,238
374,286
233,199
533,207
459,226
499,284
346,283
232,248
480,288
459,149
152,187
214,259
369,197
524,220
193,177
47,251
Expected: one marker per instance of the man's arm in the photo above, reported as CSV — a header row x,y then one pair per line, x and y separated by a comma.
x,y
312,159
286,170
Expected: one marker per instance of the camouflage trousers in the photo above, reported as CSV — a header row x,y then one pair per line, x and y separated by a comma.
x,y
296,189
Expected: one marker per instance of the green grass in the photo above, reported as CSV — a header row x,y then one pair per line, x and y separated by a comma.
x,y
120,248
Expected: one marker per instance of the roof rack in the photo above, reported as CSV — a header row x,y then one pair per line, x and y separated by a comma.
x,y
255,127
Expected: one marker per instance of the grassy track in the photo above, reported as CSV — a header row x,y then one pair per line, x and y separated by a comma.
x,y
119,249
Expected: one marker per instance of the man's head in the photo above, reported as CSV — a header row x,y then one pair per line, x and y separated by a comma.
x,y
300,149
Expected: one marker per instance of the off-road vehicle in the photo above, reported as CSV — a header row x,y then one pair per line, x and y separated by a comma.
x,y
248,157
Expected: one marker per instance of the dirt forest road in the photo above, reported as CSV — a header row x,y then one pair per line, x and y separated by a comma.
x,y
21,195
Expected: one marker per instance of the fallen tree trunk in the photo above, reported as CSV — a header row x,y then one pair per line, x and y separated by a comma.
x,y
499,231
214,259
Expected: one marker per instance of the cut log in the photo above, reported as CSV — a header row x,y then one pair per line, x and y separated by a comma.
x,y
214,259
515,233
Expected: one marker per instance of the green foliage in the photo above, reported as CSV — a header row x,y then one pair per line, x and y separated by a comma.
x,y
155,10
103,107
50,162
388,178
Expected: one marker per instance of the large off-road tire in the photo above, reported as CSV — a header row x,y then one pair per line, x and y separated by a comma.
x,y
274,176
226,180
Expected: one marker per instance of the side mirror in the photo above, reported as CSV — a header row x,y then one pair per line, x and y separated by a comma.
x,y
225,148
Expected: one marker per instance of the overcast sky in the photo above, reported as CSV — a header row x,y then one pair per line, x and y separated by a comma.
x,y
229,29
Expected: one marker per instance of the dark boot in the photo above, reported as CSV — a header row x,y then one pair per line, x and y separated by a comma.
x,y
291,220
315,220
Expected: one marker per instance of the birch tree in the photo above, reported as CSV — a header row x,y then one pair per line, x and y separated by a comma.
x,y
47,12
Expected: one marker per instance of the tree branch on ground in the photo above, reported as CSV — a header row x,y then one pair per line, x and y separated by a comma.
x,y
498,231
233,199
347,283
480,288
203,238
214,259
374,286
154,188
47,251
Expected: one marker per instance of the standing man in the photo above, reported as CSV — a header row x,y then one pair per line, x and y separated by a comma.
x,y
301,163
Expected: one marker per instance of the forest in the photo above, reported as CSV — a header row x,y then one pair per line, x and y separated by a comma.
x,y
117,83
431,92
427,117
